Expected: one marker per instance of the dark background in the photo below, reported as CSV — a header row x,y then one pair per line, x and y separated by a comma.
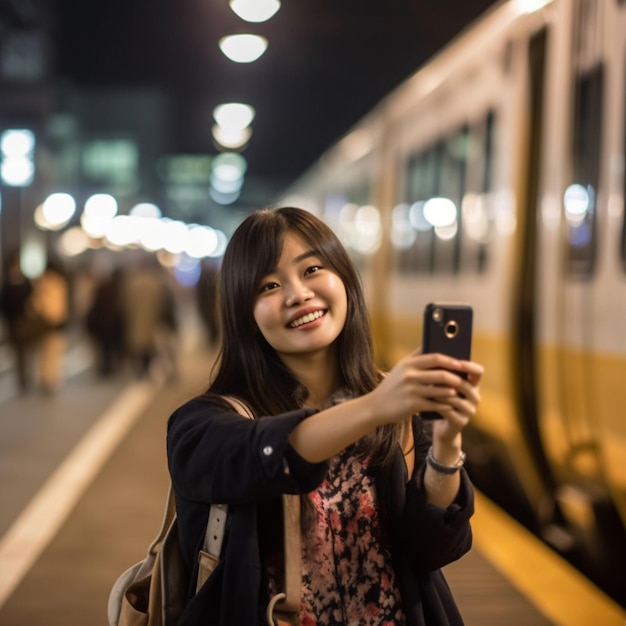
x,y
328,63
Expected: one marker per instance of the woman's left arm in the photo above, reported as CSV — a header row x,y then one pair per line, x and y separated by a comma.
x,y
441,481
423,535
439,504
435,536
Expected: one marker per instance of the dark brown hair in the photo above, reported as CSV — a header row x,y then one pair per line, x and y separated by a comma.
x,y
247,366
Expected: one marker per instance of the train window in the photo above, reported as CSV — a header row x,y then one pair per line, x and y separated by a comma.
x,y
439,181
486,218
477,215
490,124
346,211
451,187
580,199
422,170
435,188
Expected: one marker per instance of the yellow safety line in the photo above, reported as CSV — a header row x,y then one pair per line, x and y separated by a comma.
x,y
555,587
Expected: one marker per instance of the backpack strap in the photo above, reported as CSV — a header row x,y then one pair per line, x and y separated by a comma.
x,y
214,534
293,553
168,517
283,607
209,555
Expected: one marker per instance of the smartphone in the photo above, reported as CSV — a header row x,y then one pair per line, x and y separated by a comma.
x,y
448,330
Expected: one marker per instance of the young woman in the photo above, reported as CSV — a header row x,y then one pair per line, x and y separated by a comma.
x,y
385,501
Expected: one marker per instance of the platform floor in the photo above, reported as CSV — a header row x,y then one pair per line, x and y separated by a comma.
x,y
83,481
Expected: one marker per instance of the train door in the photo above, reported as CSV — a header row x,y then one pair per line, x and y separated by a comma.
x,y
525,354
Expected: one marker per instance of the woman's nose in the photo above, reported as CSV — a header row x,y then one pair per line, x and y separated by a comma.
x,y
297,292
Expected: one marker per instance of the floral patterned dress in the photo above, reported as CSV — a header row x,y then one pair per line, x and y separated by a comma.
x,y
347,578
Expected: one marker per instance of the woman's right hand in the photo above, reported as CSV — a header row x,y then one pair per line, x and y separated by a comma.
x,y
417,383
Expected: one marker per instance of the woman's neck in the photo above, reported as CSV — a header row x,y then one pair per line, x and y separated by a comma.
x,y
318,372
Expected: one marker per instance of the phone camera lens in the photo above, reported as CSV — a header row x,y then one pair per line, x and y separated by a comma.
x,y
451,329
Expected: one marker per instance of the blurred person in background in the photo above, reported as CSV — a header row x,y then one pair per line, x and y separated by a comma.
x,y
168,338
147,314
105,325
21,326
206,298
50,303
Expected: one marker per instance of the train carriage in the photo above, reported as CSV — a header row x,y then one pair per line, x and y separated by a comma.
x,y
495,176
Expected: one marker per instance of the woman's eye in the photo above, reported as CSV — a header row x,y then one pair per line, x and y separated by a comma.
x,y
268,286
312,269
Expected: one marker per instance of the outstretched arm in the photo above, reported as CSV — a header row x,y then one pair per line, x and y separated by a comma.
x,y
419,382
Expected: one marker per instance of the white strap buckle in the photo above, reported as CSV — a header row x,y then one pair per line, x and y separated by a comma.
x,y
215,529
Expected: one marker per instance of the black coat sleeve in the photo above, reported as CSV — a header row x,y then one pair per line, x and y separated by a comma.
x,y
423,538
216,455
428,536
435,536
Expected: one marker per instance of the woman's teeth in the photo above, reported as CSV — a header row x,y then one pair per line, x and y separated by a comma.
x,y
305,319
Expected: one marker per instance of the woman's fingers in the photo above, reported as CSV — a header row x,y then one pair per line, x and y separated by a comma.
x,y
436,360
462,406
463,402
431,382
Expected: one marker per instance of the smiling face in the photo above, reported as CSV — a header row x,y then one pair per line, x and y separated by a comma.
x,y
301,306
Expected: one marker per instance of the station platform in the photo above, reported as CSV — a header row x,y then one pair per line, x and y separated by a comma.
x,y
83,482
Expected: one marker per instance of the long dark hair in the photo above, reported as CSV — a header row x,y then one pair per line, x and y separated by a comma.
x,y
247,366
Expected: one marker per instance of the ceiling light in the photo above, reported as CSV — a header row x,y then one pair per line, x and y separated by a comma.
x,y
229,166
233,115
101,205
58,209
233,138
255,10
146,209
243,48
17,165
226,186
224,198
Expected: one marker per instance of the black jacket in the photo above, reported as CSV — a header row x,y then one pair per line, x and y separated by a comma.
x,y
215,455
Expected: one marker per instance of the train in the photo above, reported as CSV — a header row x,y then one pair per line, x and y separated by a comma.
x,y
494,176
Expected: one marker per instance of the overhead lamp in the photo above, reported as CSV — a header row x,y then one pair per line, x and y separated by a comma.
x,y
224,198
146,209
123,230
17,164
226,186
58,209
243,48
255,10
231,139
73,242
202,242
233,115
98,211
229,166
101,205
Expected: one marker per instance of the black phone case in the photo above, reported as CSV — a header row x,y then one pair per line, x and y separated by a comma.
x,y
447,329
